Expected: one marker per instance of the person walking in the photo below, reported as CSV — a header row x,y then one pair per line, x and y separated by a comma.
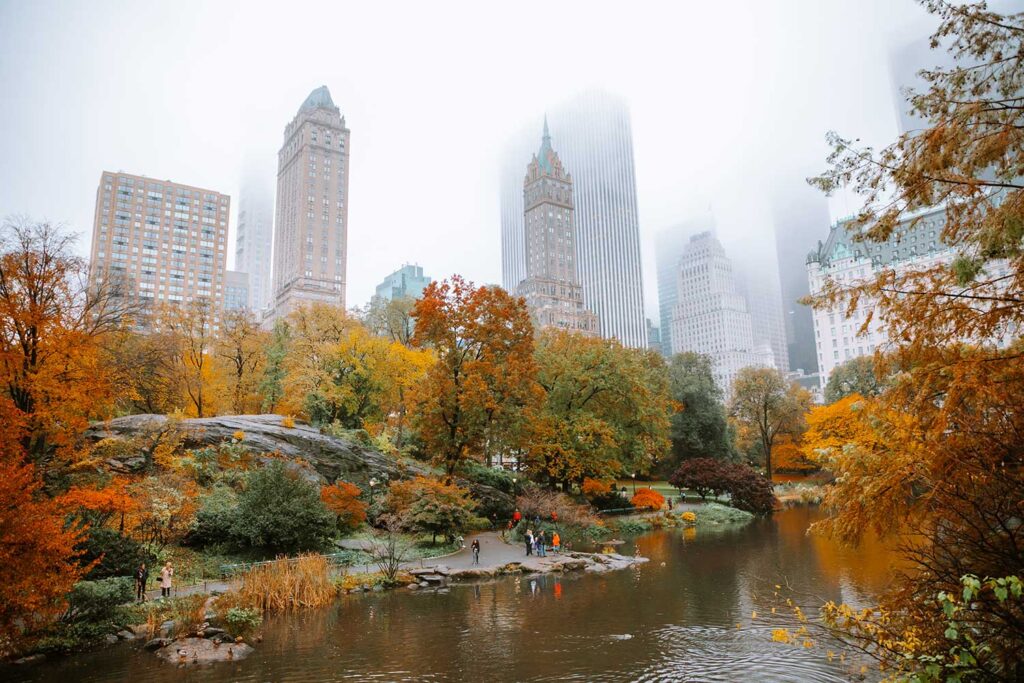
x,y
475,547
141,579
166,574
529,542
541,551
556,542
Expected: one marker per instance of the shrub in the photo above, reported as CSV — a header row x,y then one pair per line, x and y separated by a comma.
x,y
114,553
431,506
242,621
633,526
602,494
98,601
281,511
536,502
748,490
488,476
215,520
342,499
648,499
689,516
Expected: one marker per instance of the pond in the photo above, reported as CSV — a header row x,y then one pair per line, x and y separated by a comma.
x,y
674,619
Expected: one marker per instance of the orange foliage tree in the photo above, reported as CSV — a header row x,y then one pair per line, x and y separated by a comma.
x,y
481,391
38,563
936,458
648,499
99,505
342,499
53,327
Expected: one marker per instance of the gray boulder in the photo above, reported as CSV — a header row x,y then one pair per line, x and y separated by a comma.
x,y
316,456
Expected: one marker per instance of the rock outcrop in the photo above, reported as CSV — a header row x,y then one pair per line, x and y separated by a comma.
x,y
317,456
202,651
552,564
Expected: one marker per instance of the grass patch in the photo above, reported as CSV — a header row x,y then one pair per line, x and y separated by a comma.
x,y
716,514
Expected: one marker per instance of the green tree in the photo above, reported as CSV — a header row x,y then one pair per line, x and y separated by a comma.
x,y
606,410
765,405
700,428
282,512
855,376
272,383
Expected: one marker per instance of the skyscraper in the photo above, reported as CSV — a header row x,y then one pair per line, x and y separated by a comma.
x,y
595,142
669,246
311,227
408,281
761,292
166,241
711,315
798,217
551,286
255,237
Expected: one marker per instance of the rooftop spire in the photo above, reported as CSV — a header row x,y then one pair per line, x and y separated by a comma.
x,y
544,155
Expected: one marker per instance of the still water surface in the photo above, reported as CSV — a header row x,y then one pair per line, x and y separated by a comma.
x,y
676,622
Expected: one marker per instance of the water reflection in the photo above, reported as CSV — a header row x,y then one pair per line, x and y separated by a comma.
x,y
659,623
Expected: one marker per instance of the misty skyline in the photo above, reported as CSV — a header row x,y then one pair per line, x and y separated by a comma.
x,y
729,107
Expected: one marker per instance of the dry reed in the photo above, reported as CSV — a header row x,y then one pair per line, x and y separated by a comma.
x,y
303,581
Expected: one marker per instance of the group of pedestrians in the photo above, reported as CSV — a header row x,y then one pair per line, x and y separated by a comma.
x,y
537,544
142,579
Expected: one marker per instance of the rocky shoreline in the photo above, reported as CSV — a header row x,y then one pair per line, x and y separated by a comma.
x,y
552,564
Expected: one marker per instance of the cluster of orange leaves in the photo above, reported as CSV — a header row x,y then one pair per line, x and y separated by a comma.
x,y
647,498
342,499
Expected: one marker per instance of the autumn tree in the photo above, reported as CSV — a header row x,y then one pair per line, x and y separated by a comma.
x,y
145,366
429,505
392,319
338,372
476,398
699,428
38,560
855,376
241,349
936,458
342,498
765,404
53,327
192,326
606,409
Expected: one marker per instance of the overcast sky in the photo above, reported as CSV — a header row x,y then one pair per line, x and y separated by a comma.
x,y
730,103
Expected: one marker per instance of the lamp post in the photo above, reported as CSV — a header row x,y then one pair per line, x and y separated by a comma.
x,y
514,489
633,477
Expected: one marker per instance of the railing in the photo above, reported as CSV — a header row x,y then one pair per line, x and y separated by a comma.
x,y
618,511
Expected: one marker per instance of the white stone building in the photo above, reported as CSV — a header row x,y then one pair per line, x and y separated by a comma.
x,y
915,245
711,315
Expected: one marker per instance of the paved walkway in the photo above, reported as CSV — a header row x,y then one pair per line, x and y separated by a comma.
x,y
494,553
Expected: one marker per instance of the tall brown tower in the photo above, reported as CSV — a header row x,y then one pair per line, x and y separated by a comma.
x,y
552,287
311,225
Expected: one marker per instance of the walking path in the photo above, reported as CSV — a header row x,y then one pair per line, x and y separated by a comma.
x,y
494,553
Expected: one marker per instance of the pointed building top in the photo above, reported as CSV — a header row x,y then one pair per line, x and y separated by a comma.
x,y
544,155
321,97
